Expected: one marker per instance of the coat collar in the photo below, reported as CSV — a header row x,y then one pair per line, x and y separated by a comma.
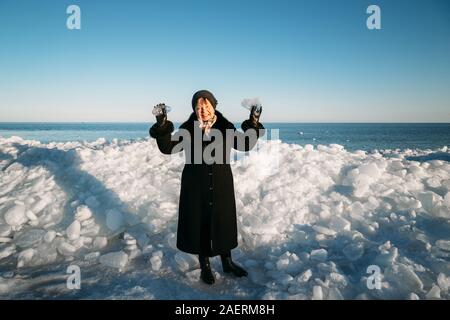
x,y
221,123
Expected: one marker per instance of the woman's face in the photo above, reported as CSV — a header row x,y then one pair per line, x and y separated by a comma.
x,y
204,109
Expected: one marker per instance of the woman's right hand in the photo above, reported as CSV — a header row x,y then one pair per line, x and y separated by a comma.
x,y
162,117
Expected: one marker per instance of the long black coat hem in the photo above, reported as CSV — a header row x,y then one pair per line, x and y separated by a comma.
x,y
207,254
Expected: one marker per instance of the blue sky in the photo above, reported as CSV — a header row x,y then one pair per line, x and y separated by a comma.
x,y
308,61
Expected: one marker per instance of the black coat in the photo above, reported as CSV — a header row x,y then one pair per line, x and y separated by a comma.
x,y
207,208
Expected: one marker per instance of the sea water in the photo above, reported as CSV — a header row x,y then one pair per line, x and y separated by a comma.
x,y
353,136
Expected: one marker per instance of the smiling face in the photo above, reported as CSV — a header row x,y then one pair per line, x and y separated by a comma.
x,y
204,109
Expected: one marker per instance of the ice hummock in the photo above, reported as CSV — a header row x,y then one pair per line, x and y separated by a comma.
x,y
310,223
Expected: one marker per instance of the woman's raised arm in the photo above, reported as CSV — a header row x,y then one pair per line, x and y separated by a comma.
x,y
253,130
162,132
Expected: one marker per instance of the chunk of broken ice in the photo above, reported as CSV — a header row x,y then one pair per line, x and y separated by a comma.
x,y
100,242
434,293
73,231
319,255
83,213
29,238
117,259
16,216
156,262
443,244
317,293
7,251
305,276
354,251
5,230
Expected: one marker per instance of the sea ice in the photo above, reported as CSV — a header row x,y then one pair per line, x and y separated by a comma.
x,y
117,259
310,222
16,215
83,213
354,251
73,231
114,219
319,255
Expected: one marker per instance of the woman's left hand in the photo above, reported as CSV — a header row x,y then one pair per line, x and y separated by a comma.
x,y
255,113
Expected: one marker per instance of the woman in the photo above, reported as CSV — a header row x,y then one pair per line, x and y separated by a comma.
x,y
207,209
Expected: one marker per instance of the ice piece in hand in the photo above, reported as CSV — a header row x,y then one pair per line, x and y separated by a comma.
x,y
158,110
249,103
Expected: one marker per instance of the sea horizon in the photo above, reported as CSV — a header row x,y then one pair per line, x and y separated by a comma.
x,y
352,135
271,122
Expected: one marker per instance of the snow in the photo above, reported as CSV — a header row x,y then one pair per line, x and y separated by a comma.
x,y
114,219
311,221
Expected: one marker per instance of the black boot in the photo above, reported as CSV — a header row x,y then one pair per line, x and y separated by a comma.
x,y
206,275
229,266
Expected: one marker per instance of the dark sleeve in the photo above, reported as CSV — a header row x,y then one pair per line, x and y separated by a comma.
x,y
163,136
247,140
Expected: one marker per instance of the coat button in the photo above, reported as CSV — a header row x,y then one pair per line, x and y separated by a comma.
x,y
210,173
210,188
210,203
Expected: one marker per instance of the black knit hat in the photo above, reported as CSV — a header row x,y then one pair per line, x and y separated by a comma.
x,y
204,94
